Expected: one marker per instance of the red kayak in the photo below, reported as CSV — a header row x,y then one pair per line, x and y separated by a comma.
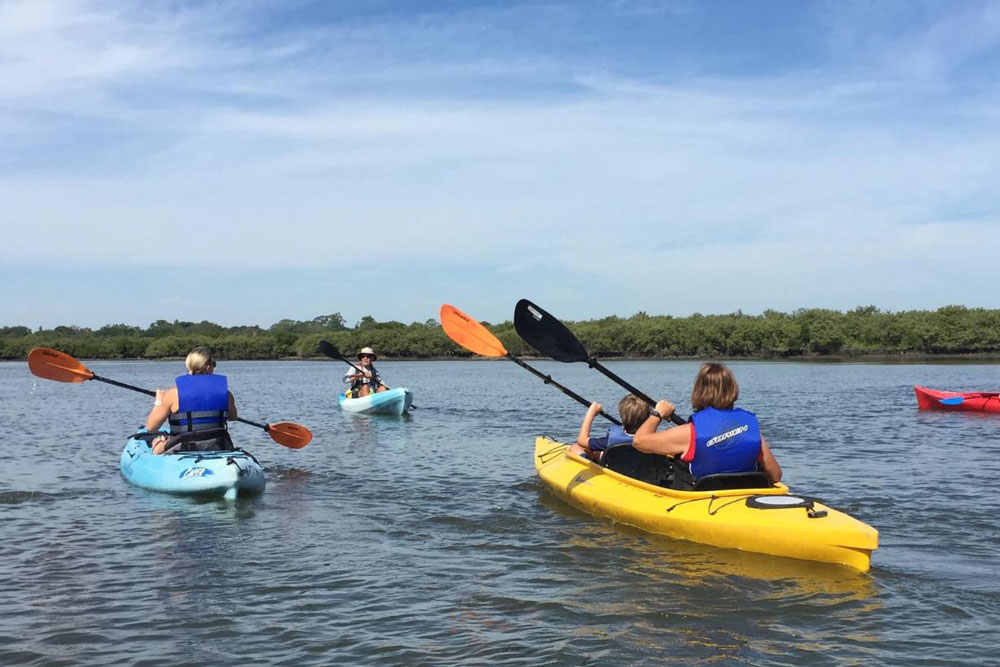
x,y
977,401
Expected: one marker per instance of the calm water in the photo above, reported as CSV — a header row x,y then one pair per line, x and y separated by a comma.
x,y
429,540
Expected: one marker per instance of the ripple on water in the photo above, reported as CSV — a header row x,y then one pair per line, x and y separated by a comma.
x,y
429,540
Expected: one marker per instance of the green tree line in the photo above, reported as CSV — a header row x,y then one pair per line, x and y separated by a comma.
x,y
863,331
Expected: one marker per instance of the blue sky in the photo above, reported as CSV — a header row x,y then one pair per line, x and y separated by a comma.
x,y
245,162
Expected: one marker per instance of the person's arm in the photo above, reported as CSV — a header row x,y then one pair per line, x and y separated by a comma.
x,y
582,444
163,405
672,442
583,436
769,463
232,407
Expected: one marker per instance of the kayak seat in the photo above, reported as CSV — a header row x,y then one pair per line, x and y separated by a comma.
x,y
210,440
733,480
629,461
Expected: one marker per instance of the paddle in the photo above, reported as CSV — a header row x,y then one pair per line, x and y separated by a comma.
x,y
59,366
330,350
476,338
958,400
551,337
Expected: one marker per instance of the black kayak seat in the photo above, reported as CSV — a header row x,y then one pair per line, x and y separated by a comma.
x,y
210,440
629,461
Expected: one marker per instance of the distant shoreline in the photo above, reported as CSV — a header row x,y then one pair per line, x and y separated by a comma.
x,y
904,358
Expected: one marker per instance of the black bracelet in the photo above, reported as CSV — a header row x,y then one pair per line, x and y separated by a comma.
x,y
656,414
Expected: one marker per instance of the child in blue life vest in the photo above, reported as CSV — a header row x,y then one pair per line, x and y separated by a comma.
x,y
633,413
718,439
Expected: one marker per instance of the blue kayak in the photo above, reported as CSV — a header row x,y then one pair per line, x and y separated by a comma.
x,y
390,402
223,473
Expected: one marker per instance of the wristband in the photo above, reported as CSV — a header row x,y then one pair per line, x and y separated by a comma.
x,y
656,414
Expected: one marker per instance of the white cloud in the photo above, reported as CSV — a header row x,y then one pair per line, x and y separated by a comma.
x,y
283,150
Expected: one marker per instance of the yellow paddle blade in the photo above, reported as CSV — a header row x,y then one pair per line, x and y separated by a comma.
x,y
469,333
290,434
55,365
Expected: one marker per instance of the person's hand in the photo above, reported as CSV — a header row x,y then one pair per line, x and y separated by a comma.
x,y
665,408
594,409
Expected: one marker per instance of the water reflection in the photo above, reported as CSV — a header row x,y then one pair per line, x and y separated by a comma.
x,y
684,565
722,604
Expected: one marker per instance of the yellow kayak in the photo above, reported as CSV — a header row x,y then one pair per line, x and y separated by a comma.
x,y
767,520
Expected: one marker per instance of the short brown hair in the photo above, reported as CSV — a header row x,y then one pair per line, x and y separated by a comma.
x,y
634,412
715,387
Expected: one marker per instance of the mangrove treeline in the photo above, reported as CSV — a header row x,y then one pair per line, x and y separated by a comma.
x,y
862,331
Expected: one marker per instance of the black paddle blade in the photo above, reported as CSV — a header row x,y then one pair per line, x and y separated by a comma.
x,y
547,334
330,350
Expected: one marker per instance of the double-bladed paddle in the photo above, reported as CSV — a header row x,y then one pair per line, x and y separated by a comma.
x,y
476,338
330,350
59,366
552,338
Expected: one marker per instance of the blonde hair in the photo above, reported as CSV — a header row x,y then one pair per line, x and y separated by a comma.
x,y
715,387
199,361
633,411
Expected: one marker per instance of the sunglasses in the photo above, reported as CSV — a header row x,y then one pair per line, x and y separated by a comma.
x,y
367,356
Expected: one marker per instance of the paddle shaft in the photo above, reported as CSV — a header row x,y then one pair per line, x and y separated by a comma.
x,y
153,393
547,379
593,363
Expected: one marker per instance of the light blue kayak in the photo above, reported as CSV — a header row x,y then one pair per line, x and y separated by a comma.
x,y
222,473
391,402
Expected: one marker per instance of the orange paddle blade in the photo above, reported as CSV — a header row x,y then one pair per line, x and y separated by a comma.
x,y
290,434
55,365
469,333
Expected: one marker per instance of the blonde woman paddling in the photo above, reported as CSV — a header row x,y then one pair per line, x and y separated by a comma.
x,y
720,438
199,405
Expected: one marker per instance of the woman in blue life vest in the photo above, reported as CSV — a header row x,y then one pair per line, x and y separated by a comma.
x,y
199,404
367,380
718,439
633,413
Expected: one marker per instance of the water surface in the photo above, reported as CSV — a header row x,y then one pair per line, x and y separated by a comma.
x,y
429,540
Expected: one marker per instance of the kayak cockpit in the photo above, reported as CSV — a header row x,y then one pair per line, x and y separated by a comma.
x,y
659,471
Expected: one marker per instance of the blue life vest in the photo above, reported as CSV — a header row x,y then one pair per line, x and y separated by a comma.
x,y
618,436
202,403
725,441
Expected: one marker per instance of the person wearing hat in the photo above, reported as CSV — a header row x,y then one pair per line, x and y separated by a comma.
x,y
368,379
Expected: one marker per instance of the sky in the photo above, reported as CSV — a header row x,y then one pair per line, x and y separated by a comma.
x,y
248,162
